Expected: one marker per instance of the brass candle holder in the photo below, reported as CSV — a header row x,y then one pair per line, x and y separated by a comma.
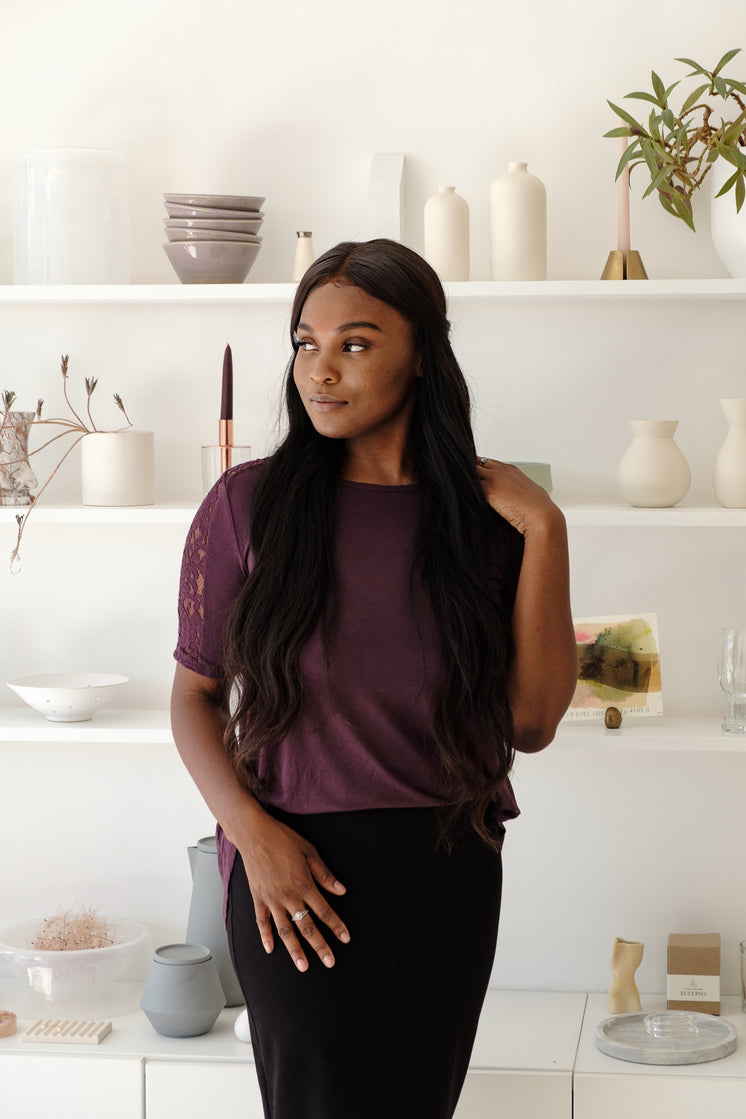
x,y
622,265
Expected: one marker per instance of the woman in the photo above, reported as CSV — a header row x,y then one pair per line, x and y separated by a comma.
x,y
391,617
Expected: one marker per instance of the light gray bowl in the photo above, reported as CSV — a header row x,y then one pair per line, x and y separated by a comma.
x,y
232,225
178,210
212,262
217,201
212,235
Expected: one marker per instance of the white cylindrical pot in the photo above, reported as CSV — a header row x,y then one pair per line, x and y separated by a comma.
x,y
72,218
518,226
118,468
653,473
727,225
729,475
304,255
446,221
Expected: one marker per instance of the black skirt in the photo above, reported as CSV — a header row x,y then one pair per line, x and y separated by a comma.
x,y
388,1031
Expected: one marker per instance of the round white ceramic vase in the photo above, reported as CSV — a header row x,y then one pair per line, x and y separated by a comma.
x,y
729,475
653,473
727,224
518,226
118,468
446,221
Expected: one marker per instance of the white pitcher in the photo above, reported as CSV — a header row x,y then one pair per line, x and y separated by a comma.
x,y
205,925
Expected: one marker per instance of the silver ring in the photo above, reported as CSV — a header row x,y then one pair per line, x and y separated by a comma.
x,y
482,461
299,915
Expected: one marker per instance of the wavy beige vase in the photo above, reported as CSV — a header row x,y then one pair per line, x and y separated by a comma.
x,y
626,957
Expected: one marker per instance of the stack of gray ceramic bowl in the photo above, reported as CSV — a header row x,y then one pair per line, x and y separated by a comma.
x,y
213,238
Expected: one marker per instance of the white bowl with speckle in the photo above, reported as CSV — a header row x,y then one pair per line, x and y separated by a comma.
x,y
65,697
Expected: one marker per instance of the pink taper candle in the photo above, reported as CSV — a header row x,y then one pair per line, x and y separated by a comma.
x,y
623,201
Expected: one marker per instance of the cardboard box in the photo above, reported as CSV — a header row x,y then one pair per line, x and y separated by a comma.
x,y
694,972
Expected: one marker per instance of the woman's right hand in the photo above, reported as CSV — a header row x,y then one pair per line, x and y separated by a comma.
x,y
286,876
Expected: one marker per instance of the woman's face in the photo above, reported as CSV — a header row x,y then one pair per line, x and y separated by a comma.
x,y
356,367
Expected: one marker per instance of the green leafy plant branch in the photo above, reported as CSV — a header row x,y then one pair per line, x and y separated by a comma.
x,y
679,149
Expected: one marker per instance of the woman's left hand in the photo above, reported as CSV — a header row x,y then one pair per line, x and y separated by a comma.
x,y
513,495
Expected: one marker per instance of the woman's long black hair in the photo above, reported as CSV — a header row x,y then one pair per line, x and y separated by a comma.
x,y
290,589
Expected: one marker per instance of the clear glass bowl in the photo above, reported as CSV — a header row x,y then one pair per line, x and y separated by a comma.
x,y
88,983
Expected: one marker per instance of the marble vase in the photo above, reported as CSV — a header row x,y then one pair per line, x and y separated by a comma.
x,y
17,478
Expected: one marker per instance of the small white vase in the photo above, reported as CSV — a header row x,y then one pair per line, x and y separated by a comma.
x,y
446,221
304,255
118,468
518,226
653,473
729,475
727,225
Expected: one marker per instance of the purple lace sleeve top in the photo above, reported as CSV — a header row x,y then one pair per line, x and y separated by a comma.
x,y
361,739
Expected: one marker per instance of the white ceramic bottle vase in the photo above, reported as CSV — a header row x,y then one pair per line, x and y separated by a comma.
x,y
653,473
729,475
446,221
518,226
304,255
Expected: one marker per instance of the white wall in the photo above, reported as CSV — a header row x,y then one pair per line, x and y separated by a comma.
x,y
292,101
289,100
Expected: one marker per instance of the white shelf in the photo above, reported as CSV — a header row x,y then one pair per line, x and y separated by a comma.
x,y
620,515
122,725
668,733
615,515
676,289
131,725
173,513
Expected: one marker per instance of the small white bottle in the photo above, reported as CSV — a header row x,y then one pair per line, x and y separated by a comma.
x,y
304,255
447,234
518,226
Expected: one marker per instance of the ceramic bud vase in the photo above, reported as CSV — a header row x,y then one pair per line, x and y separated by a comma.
x,y
626,957
118,468
446,221
205,924
727,224
653,473
729,475
518,226
17,479
304,255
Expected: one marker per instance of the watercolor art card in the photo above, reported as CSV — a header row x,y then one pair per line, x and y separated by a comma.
x,y
618,666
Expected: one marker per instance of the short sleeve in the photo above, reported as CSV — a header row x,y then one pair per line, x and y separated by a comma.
x,y
213,570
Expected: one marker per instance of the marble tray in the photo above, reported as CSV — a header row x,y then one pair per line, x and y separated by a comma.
x,y
624,1036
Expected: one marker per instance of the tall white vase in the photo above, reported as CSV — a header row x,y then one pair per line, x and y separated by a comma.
x,y
727,225
729,475
653,473
446,221
518,226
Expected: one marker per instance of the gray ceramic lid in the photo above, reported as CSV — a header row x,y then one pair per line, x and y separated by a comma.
x,y
182,954
208,843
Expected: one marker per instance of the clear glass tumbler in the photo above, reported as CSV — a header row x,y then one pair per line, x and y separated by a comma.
x,y
742,954
217,459
732,673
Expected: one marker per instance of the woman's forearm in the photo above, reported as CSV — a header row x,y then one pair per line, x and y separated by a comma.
x,y
197,722
544,670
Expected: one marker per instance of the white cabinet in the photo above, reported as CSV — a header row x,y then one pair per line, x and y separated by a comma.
x,y
607,1088
192,1090
42,1086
